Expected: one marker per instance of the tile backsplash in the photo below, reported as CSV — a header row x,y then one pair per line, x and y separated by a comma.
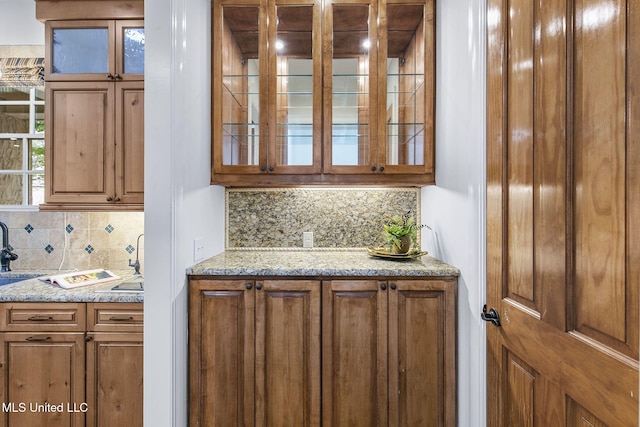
x,y
74,240
339,218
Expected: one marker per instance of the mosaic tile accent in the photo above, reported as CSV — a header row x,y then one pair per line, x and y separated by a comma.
x,y
73,240
130,249
339,218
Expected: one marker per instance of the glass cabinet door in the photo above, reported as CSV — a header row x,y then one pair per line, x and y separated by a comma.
x,y
237,101
96,50
294,61
406,123
80,49
350,87
130,49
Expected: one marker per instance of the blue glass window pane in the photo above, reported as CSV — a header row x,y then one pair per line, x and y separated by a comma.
x,y
80,50
134,51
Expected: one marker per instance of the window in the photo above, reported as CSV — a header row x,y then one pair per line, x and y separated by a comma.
x,y
21,146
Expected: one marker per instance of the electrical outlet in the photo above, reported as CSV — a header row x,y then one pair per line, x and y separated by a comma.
x,y
198,249
307,239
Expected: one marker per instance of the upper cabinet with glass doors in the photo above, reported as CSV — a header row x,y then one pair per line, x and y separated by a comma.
x,y
95,50
323,92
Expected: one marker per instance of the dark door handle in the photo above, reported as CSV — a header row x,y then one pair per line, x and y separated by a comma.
x,y
492,316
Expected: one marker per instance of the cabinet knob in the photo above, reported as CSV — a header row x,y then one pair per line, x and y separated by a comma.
x,y
393,286
381,169
109,199
263,169
270,168
259,286
117,76
383,287
373,168
249,286
110,76
117,199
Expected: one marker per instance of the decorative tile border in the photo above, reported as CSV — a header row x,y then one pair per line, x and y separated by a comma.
x,y
82,240
343,218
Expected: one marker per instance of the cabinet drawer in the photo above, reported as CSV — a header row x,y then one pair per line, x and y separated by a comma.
x,y
43,317
115,317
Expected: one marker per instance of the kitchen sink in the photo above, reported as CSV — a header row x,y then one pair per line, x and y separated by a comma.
x,y
5,280
131,284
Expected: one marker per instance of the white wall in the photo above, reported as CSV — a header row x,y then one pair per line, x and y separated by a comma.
x,y
455,207
18,23
180,205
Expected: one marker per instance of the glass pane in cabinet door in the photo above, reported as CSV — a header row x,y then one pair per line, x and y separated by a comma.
x,y
240,86
80,50
350,86
405,84
294,74
134,51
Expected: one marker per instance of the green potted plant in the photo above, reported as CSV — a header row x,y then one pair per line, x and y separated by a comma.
x,y
401,232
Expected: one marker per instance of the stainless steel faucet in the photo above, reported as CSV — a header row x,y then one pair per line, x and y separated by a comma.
x,y
136,265
6,256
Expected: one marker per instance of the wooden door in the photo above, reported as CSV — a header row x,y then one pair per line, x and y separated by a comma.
x,y
114,379
354,353
42,379
221,353
129,132
288,353
422,353
79,142
563,209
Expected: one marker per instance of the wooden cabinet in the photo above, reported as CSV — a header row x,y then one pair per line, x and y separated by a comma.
x,y
114,365
254,352
388,352
94,114
323,92
71,364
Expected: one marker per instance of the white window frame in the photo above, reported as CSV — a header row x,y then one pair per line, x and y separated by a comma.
x,y
23,138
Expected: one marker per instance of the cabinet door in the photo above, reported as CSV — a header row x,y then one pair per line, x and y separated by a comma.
x,y
422,337
221,353
354,353
79,142
129,132
114,379
129,49
239,95
288,353
295,72
42,380
350,87
79,50
406,87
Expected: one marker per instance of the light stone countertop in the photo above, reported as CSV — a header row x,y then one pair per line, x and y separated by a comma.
x,y
35,290
318,263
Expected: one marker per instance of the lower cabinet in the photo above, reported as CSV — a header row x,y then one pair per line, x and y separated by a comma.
x,y
322,352
71,364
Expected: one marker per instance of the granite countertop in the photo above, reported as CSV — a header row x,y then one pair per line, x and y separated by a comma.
x,y
35,290
315,263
